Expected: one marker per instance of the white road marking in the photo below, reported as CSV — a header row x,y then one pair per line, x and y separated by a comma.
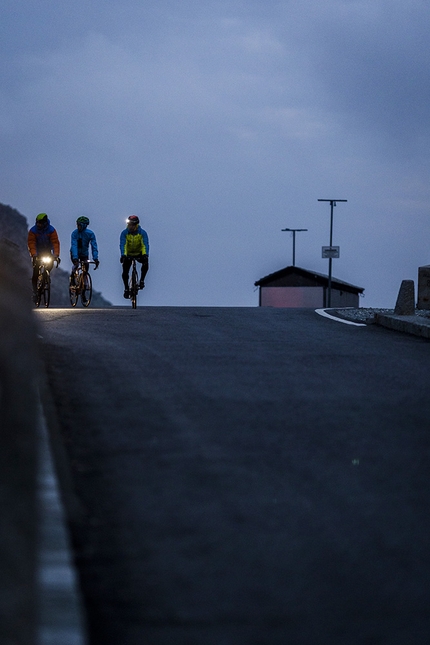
x,y
322,312
61,617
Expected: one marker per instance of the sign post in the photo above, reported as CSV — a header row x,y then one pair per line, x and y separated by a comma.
x,y
294,231
330,256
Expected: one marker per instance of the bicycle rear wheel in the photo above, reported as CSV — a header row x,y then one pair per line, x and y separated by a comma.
x,y
87,289
46,289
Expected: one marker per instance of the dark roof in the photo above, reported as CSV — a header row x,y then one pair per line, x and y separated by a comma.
x,y
317,278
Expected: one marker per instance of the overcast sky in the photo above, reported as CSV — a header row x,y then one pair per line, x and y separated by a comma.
x,y
219,123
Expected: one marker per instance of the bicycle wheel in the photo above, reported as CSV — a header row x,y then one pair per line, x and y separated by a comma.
x,y
134,288
46,288
73,291
87,289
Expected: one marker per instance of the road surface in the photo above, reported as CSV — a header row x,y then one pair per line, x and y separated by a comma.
x,y
247,476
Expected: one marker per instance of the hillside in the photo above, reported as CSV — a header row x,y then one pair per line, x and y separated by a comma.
x,y
13,231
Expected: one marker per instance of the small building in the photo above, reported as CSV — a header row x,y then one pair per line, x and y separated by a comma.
x,y
296,287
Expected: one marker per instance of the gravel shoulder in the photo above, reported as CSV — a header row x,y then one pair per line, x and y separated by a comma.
x,y
368,314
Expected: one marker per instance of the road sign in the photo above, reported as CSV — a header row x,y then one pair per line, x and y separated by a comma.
x,y
330,251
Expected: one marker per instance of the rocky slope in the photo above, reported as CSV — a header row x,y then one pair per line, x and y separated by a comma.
x,y
13,232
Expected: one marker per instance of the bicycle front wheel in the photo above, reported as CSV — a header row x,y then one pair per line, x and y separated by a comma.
x,y
39,289
46,289
134,288
87,289
73,292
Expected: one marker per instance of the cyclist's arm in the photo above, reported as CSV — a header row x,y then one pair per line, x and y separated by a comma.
x,y
94,248
74,245
55,243
122,241
145,241
31,242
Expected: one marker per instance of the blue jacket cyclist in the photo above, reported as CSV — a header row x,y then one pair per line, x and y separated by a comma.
x,y
82,239
133,243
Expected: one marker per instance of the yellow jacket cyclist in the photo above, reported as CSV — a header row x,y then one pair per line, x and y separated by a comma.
x,y
133,243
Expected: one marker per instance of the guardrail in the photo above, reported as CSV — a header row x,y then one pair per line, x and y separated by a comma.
x,y
18,451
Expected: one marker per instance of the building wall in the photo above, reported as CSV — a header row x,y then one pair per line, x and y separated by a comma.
x,y
292,297
312,297
344,299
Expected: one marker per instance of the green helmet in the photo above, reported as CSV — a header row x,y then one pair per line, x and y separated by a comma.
x,y
42,217
84,221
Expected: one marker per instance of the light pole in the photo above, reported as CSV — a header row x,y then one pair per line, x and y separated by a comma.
x,y
294,231
330,260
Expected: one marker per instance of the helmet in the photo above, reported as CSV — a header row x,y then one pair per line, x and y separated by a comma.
x,y
42,217
133,219
83,221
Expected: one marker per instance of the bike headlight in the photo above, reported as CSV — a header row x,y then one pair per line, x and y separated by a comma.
x,y
47,259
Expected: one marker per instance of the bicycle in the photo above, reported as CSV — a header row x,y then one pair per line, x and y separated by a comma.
x,y
133,284
43,284
82,284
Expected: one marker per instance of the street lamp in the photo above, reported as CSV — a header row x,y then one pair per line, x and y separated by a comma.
x,y
294,231
330,259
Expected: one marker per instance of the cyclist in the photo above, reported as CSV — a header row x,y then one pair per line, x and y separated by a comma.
x,y
133,243
82,239
42,239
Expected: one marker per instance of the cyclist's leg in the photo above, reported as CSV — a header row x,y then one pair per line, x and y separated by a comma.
x,y
125,271
73,272
73,276
34,276
84,258
47,288
35,283
145,266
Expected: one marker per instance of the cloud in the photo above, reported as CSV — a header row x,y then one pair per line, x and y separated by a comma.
x,y
374,60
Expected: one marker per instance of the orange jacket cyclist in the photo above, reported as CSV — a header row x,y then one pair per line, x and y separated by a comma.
x,y
42,239
133,243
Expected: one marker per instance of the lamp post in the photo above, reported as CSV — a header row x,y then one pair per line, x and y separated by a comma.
x,y
294,231
330,260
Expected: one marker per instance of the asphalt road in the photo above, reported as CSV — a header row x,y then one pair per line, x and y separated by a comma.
x,y
247,476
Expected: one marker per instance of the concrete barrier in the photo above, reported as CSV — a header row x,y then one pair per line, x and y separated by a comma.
x,y
423,287
405,305
415,325
18,452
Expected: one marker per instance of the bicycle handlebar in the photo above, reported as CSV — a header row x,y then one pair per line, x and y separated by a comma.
x,y
45,260
81,262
